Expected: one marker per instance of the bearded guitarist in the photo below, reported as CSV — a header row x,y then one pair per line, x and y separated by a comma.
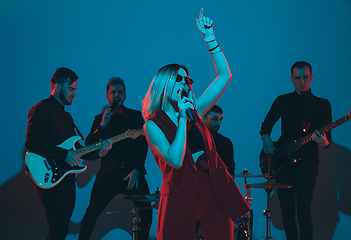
x,y
49,125
301,113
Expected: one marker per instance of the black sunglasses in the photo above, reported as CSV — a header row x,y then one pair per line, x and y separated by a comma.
x,y
188,81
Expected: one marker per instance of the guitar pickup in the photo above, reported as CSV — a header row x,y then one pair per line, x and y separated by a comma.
x,y
46,178
47,164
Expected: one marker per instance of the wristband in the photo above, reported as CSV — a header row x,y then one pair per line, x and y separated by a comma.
x,y
213,48
210,38
220,50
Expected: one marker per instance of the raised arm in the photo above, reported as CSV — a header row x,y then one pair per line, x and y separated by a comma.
x,y
223,74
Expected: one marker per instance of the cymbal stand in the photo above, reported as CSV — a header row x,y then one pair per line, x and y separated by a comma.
x,y
249,214
267,212
135,219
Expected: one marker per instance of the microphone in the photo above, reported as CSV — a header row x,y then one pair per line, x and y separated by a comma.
x,y
114,104
189,112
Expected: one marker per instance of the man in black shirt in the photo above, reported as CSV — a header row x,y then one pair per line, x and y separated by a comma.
x,y
122,169
48,126
301,113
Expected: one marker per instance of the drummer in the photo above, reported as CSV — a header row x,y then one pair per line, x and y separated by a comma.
x,y
213,120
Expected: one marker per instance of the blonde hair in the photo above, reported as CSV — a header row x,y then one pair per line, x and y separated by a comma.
x,y
160,90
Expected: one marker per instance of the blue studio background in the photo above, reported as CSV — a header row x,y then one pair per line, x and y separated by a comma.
x,y
132,40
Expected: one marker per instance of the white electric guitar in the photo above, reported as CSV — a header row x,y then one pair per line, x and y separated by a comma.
x,y
47,173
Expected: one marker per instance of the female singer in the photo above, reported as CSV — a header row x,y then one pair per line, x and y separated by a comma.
x,y
196,185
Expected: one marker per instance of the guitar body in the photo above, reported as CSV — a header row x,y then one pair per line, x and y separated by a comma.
x,y
285,154
277,161
47,173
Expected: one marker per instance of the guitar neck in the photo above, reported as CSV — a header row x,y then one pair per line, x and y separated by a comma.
x,y
96,146
299,143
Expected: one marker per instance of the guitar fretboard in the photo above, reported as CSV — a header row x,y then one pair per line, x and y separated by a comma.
x,y
95,146
299,143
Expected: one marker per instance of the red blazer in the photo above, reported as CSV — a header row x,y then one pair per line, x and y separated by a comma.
x,y
177,206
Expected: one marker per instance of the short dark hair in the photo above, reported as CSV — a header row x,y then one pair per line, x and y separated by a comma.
x,y
63,75
115,81
301,64
215,109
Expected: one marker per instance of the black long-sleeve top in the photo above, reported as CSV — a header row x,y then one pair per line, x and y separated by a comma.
x,y
48,126
225,151
291,108
224,147
131,153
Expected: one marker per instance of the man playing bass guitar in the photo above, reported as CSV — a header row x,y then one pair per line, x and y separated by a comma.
x,y
301,113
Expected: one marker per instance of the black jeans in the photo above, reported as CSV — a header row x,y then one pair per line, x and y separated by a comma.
x,y
58,203
104,190
297,200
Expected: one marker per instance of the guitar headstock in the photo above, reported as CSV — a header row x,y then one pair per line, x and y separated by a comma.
x,y
135,133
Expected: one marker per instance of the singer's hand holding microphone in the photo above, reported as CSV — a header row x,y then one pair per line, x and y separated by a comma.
x,y
107,114
185,105
106,118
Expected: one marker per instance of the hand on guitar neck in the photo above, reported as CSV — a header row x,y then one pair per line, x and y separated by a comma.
x,y
320,139
106,147
73,159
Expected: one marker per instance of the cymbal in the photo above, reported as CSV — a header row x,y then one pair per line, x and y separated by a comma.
x,y
270,185
251,175
156,195
142,198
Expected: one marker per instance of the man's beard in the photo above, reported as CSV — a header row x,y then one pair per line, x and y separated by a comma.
x,y
64,100
214,130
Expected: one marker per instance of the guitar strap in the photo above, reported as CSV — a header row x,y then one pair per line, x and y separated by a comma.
x,y
75,127
79,133
305,126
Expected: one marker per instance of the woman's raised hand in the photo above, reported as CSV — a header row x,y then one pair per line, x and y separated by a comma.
x,y
204,24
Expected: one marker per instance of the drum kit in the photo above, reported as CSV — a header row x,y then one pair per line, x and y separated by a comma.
x,y
245,221
269,185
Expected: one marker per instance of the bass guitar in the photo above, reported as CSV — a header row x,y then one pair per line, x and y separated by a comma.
x,y
47,173
283,157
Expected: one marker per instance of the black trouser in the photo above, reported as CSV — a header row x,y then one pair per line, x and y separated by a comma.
x,y
303,181
58,203
104,190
